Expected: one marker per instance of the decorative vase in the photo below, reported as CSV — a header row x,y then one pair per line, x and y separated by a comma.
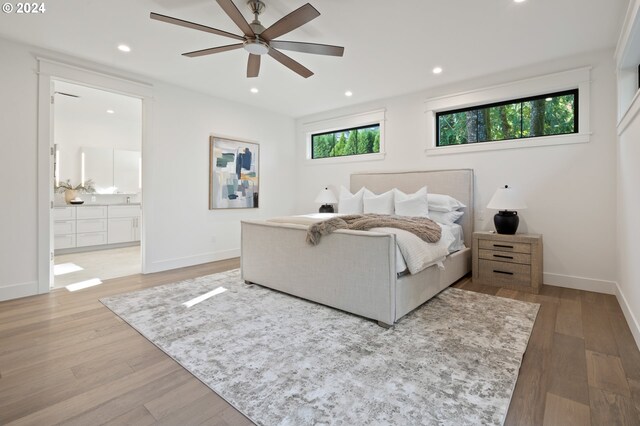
x,y
69,195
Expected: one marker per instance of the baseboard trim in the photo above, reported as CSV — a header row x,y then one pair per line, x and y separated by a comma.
x,y
632,321
581,283
16,291
198,259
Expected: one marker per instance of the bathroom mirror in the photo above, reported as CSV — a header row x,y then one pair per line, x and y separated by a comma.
x,y
113,171
97,164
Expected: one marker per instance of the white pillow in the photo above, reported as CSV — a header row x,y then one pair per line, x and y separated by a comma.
x,y
411,204
443,203
448,218
349,203
378,204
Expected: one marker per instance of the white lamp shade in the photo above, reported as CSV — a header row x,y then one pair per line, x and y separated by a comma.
x,y
506,198
326,196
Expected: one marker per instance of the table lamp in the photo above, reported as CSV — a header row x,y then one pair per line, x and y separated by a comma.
x,y
506,200
326,198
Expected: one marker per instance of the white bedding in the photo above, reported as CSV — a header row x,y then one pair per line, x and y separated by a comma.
x,y
412,253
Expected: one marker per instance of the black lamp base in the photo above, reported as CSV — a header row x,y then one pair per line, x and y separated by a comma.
x,y
506,222
326,208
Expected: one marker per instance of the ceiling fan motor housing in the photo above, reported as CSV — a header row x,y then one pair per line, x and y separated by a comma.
x,y
256,46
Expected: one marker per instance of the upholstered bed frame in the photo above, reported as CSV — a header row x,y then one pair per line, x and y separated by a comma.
x,y
354,270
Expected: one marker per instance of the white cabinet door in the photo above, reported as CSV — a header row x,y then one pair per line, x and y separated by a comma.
x,y
64,227
91,225
64,241
121,230
124,211
92,212
64,213
91,239
136,229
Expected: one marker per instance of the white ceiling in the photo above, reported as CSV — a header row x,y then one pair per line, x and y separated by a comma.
x,y
390,46
92,104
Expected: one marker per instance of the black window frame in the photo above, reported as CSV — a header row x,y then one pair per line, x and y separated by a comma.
x,y
348,129
576,123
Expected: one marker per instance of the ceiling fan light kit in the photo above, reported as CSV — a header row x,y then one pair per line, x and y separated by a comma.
x,y
258,40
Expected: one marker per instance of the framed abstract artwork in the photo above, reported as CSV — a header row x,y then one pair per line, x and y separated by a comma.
x,y
234,173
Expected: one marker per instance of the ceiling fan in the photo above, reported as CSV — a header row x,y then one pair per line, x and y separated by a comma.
x,y
258,40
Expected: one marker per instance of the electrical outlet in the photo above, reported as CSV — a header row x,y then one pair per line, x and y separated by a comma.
x,y
93,198
481,215
213,239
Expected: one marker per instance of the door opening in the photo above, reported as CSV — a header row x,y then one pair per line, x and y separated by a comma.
x,y
97,184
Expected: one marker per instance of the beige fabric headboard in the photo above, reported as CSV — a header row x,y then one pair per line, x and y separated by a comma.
x,y
456,183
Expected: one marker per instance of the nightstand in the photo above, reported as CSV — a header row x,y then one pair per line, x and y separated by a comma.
x,y
510,261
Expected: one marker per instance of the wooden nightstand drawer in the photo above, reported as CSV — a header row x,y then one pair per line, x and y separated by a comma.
x,y
510,261
505,246
502,273
500,256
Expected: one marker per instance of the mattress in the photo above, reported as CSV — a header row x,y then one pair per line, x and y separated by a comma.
x,y
426,255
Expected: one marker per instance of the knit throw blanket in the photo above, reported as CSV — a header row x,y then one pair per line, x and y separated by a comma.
x,y
424,228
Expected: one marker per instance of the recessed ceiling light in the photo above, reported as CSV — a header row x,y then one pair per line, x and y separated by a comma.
x,y
437,70
518,1
110,111
124,48
348,93
254,90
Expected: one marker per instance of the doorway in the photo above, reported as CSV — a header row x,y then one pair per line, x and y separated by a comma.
x,y
97,180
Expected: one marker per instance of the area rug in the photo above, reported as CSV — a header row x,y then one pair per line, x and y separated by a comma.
x,y
281,360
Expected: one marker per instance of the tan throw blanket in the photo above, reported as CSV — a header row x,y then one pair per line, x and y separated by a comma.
x,y
424,228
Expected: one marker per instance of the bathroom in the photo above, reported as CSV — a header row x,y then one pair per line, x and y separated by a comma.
x,y
97,191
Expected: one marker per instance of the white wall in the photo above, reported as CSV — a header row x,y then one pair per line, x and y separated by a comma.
x,y
569,189
184,231
628,223
180,230
628,179
18,172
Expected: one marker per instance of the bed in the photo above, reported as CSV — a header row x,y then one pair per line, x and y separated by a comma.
x,y
355,271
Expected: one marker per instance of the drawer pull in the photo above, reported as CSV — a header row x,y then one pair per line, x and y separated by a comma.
x,y
502,246
503,257
503,272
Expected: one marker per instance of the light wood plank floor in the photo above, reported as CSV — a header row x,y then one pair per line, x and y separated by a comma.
x,y
65,358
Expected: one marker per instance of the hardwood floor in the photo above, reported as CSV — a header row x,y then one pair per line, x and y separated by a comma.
x,y
581,366
65,358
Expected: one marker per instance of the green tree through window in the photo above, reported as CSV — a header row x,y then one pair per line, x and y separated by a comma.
x,y
543,115
340,143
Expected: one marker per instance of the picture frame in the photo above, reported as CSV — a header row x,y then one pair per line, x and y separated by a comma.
x,y
234,173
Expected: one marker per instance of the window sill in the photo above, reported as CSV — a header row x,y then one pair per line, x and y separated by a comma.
x,y
346,159
511,144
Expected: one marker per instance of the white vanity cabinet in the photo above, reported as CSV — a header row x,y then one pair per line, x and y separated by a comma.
x,y
95,225
91,226
64,227
124,224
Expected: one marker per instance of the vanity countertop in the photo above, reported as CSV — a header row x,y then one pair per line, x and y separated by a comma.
x,y
95,204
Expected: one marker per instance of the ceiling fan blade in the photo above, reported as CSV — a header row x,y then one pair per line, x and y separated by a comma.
x,y
193,25
290,63
235,15
317,49
253,67
213,50
290,22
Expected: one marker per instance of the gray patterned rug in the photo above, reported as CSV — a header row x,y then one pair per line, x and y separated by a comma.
x,y
281,360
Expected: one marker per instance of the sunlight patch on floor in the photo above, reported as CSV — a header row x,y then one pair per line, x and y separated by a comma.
x,y
66,268
84,284
204,297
